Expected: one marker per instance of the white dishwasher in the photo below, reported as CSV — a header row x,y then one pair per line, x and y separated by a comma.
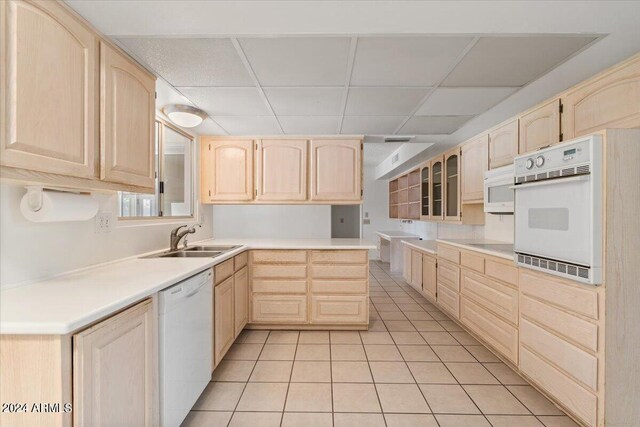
x,y
185,329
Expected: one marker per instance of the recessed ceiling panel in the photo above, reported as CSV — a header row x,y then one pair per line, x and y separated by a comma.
x,y
405,61
225,101
298,101
378,125
463,101
249,125
433,125
190,61
309,125
298,61
513,61
383,101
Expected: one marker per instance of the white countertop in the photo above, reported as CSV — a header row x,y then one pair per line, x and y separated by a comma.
x,y
423,245
388,235
505,252
66,303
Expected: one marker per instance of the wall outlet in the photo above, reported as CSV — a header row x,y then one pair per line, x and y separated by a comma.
x,y
104,222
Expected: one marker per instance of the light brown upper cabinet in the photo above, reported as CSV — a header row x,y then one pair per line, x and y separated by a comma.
x,y
226,170
540,127
281,170
48,99
114,370
127,120
425,191
503,144
609,100
336,170
452,185
437,188
475,161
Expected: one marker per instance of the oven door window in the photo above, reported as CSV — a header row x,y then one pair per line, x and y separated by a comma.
x,y
500,194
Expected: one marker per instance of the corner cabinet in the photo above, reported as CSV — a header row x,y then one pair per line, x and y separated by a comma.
x,y
48,101
452,185
281,169
127,120
540,127
475,162
336,170
226,168
114,371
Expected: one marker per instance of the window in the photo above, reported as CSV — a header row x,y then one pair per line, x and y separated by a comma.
x,y
174,179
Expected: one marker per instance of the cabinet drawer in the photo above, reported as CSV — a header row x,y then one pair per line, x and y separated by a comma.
x,y
240,261
496,332
339,257
500,299
449,275
449,253
573,298
505,271
291,257
576,363
279,286
223,270
472,261
449,300
580,331
574,397
339,309
339,271
279,309
339,286
279,271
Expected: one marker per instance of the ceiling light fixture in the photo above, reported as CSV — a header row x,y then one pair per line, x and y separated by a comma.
x,y
185,116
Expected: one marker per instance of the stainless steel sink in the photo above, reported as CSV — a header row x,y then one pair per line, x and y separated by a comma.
x,y
219,248
187,254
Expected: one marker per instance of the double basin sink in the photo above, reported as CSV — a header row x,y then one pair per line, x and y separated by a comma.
x,y
195,252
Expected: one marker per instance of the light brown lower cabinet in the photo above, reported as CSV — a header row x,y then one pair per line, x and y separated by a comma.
x,y
339,309
287,309
114,370
416,270
406,263
429,276
241,299
224,322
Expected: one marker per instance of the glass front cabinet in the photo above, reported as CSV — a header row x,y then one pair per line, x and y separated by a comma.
x,y
437,190
425,181
452,185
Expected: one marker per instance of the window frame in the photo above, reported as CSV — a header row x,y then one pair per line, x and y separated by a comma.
x,y
160,124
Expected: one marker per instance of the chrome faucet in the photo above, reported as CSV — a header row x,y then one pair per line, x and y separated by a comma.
x,y
177,235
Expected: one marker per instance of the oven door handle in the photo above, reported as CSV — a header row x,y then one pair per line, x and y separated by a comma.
x,y
551,181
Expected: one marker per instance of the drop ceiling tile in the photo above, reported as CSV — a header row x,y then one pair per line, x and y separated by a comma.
x,y
309,125
513,61
383,101
299,101
434,125
249,125
405,61
378,125
208,127
227,101
191,61
463,101
298,61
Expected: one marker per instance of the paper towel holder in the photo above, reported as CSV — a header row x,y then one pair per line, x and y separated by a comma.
x,y
34,195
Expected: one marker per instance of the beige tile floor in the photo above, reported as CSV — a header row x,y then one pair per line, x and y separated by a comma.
x,y
414,367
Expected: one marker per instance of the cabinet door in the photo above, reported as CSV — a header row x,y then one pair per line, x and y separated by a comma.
x,y
437,189
127,120
49,93
475,162
452,185
610,100
429,277
406,261
416,270
226,170
282,170
114,373
540,127
241,295
224,331
336,170
503,145
425,191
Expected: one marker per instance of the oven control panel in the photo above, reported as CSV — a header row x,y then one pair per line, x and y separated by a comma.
x,y
569,154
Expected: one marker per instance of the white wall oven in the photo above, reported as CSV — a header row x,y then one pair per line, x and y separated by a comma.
x,y
558,210
498,190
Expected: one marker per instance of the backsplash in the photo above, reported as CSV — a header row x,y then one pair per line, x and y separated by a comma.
x,y
428,230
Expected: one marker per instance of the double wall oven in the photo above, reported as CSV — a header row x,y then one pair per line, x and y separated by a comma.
x,y
558,210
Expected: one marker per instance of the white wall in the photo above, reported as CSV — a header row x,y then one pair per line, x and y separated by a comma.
x,y
30,251
499,227
272,221
376,205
